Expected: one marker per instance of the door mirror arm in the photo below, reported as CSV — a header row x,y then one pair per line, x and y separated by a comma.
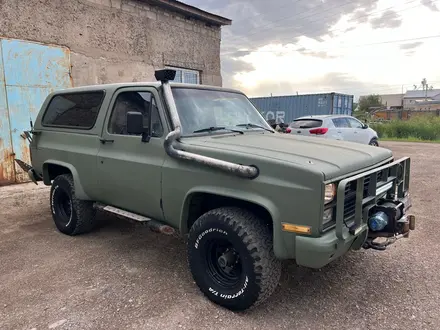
x,y
145,137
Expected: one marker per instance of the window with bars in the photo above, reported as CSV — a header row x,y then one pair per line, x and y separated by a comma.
x,y
186,76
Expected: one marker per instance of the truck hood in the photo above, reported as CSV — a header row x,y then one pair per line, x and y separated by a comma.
x,y
332,158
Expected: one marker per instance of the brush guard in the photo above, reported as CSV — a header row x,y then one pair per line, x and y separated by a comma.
x,y
381,190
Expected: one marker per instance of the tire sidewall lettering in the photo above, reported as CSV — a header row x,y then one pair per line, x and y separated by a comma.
x,y
207,231
231,296
52,199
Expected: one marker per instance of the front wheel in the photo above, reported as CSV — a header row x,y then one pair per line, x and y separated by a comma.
x,y
230,254
374,142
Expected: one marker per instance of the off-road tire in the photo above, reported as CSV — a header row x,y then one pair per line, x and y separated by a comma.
x,y
374,142
252,239
80,216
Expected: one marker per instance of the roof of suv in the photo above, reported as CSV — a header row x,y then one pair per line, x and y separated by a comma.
x,y
155,84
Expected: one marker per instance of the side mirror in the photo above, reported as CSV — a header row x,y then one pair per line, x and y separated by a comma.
x,y
135,125
364,126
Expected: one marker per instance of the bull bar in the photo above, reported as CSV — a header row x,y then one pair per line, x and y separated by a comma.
x,y
394,182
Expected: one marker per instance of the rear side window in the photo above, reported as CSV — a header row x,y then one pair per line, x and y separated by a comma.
x,y
341,122
75,110
306,123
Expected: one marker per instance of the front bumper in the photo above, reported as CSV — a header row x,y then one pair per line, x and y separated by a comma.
x,y
316,252
353,232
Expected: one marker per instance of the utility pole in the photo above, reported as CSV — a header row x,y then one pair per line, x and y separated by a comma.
x,y
425,88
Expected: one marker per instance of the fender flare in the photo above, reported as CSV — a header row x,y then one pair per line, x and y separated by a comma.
x,y
262,201
79,190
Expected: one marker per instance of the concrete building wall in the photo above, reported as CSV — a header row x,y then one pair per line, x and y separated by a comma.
x,y
116,40
392,100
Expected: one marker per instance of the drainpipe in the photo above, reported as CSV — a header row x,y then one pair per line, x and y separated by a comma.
x,y
244,171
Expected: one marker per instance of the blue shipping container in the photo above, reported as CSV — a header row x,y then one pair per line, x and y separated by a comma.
x,y
287,108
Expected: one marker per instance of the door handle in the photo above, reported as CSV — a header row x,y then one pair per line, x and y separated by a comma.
x,y
104,141
339,132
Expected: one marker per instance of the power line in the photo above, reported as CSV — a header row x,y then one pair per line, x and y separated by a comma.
x,y
367,15
341,45
287,17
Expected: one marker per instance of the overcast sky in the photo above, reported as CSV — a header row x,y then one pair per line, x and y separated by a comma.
x,y
310,46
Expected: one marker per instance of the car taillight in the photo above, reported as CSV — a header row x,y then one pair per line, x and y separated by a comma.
x,y
319,131
288,130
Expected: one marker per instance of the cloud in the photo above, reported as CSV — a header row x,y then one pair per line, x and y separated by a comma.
x,y
411,45
255,23
359,16
430,4
323,45
236,65
318,54
330,82
389,19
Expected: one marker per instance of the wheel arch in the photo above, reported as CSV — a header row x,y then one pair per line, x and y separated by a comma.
x,y
53,168
193,206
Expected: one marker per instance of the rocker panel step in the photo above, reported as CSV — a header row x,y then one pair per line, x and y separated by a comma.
x,y
122,213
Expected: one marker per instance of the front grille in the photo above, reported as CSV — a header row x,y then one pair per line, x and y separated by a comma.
x,y
350,195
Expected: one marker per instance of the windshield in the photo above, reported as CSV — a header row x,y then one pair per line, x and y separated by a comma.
x,y
201,109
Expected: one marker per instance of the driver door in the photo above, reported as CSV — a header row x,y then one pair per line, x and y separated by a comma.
x,y
129,170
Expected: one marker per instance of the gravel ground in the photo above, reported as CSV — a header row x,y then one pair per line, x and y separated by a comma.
x,y
123,276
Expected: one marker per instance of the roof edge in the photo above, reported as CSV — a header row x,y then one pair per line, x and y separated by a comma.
x,y
186,9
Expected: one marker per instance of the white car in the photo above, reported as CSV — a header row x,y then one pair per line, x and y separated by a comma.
x,y
336,127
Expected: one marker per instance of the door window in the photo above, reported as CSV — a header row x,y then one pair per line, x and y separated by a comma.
x,y
341,122
142,102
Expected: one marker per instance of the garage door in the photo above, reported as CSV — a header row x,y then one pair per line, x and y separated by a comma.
x,y
28,73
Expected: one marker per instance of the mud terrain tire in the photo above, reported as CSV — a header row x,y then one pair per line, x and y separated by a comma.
x,y
215,241
71,215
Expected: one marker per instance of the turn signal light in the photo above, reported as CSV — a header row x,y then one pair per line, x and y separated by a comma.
x,y
296,228
319,131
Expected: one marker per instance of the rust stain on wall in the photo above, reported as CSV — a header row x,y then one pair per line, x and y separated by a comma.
x,y
6,165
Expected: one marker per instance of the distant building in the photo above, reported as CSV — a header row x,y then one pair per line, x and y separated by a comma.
x,y
422,100
411,100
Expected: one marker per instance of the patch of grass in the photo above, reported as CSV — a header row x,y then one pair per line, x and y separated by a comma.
x,y
410,139
417,129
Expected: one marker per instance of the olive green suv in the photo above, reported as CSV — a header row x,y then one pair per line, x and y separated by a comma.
x,y
201,162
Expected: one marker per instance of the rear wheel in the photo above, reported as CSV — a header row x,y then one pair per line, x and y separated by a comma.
x,y
71,215
230,254
374,142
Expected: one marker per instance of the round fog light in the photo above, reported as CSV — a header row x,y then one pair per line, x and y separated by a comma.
x,y
378,221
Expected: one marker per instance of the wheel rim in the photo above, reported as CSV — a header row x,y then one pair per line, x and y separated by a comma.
x,y
63,206
374,143
223,263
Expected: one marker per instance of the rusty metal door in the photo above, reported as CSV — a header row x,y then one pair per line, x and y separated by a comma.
x,y
29,72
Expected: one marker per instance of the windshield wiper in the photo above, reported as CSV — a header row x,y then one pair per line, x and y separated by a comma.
x,y
254,126
218,128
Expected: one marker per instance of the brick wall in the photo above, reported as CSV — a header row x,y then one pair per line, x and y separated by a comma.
x,y
116,40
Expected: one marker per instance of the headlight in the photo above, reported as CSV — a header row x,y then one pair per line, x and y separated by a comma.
x,y
330,193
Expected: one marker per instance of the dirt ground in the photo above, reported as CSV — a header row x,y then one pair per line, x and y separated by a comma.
x,y
123,276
